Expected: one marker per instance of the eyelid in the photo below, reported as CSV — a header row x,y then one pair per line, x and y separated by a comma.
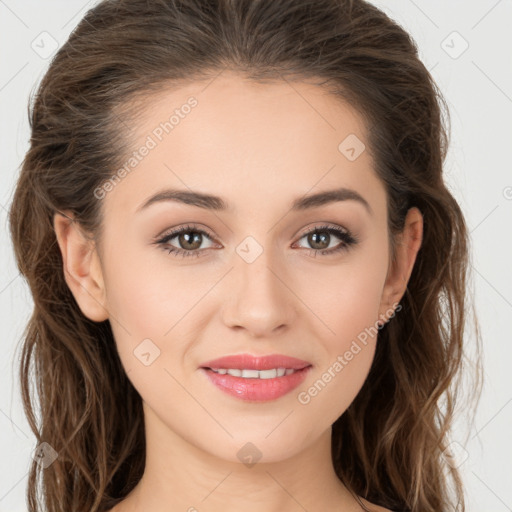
x,y
203,229
188,226
324,225
347,239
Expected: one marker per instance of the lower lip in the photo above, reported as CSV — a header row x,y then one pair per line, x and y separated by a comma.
x,y
258,390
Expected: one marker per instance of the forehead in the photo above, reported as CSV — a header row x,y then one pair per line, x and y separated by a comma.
x,y
246,141
230,108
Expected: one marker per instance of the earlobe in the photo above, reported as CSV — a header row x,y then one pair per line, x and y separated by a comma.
x,y
81,267
408,244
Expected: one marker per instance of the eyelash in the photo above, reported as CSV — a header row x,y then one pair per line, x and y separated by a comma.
x,y
348,241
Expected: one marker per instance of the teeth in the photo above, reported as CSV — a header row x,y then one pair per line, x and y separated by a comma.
x,y
255,374
249,374
268,374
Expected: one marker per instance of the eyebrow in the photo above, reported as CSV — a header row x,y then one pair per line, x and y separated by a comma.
x,y
211,202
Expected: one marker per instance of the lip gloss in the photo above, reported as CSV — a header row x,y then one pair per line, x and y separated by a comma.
x,y
255,389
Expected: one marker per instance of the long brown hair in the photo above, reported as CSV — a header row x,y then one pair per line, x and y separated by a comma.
x,y
388,446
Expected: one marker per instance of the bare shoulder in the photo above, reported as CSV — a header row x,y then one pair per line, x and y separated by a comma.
x,y
374,508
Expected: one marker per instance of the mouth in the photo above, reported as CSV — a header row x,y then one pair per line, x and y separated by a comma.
x,y
258,379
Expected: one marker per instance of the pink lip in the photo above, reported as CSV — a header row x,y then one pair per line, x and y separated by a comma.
x,y
259,390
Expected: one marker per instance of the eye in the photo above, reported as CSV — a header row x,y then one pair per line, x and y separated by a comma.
x,y
320,238
189,237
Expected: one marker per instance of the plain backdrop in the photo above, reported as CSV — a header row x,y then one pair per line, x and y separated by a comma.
x,y
467,46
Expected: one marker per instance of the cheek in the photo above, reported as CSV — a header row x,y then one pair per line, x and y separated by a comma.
x,y
144,307
348,308
347,298
137,313
144,297
153,302
349,348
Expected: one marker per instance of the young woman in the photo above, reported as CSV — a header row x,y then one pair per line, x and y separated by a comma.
x,y
249,276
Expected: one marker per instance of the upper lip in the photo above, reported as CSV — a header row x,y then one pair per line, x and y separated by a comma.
x,y
250,362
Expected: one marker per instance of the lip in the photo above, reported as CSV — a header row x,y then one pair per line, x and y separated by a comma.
x,y
256,390
250,362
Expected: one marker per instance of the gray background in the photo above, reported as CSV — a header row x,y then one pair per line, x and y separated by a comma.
x,y
476,82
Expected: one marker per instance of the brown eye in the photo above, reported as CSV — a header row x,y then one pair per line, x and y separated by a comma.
x,y
320,237
189,240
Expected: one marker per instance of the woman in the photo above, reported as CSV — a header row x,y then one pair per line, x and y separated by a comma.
x,y
305,357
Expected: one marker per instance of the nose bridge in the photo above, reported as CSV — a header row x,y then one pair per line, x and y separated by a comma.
x,y
260,302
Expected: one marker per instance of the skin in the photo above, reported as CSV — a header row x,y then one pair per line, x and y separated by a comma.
x,y
259,147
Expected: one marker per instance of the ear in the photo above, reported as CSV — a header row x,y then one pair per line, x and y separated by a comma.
x,y
81,266
408,243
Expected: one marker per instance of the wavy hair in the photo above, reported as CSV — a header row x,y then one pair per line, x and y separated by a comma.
x,y
390,445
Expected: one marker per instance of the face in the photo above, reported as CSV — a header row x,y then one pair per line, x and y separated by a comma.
x,y
264,275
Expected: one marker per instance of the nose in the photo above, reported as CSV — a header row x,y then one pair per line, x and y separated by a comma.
x,y
258,298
